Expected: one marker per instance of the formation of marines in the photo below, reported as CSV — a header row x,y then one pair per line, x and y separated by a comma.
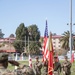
x,y
37,67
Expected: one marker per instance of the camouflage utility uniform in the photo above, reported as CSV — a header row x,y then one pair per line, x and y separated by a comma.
x,y
28,71
57,66
37,67
66,67
4,71
45,68
24,70
4,65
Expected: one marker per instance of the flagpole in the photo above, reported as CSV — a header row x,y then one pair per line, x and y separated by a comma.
x,y
28,46
70,29
25,43
30,60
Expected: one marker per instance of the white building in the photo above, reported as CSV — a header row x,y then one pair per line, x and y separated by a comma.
x,y
56,42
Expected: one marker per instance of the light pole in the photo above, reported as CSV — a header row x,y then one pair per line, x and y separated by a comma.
x,y
29,36
28,46
70,29
25,43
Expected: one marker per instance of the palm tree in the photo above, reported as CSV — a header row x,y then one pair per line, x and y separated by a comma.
x,y
73,43
65,40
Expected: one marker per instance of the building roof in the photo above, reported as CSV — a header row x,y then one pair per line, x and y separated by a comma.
x,y
7,49
11,40
56,36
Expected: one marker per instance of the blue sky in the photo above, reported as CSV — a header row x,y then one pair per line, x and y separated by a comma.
x,y
14,12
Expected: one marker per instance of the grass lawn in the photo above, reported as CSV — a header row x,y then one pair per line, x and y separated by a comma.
x,y
26,63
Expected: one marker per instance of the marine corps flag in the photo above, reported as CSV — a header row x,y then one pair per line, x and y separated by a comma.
x,y
50,59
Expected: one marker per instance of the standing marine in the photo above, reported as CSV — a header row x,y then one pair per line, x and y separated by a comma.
x,y
4,64
37,66
66,66
57,66
45,67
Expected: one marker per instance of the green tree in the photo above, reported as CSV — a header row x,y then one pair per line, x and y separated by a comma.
x,y
11,36
34,32
65,40
74,42
21,32
33,48
34,36
1,34
41,40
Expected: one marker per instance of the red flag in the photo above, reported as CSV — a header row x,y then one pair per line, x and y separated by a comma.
x,y
72,58
30,61
50,60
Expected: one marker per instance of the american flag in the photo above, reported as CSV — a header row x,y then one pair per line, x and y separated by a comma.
x,y
45,43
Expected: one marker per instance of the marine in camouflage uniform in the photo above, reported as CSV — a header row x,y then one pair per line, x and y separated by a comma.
x,y
45,68
66,67
18,71
24,70
4,64
37,66
57,66
28,71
